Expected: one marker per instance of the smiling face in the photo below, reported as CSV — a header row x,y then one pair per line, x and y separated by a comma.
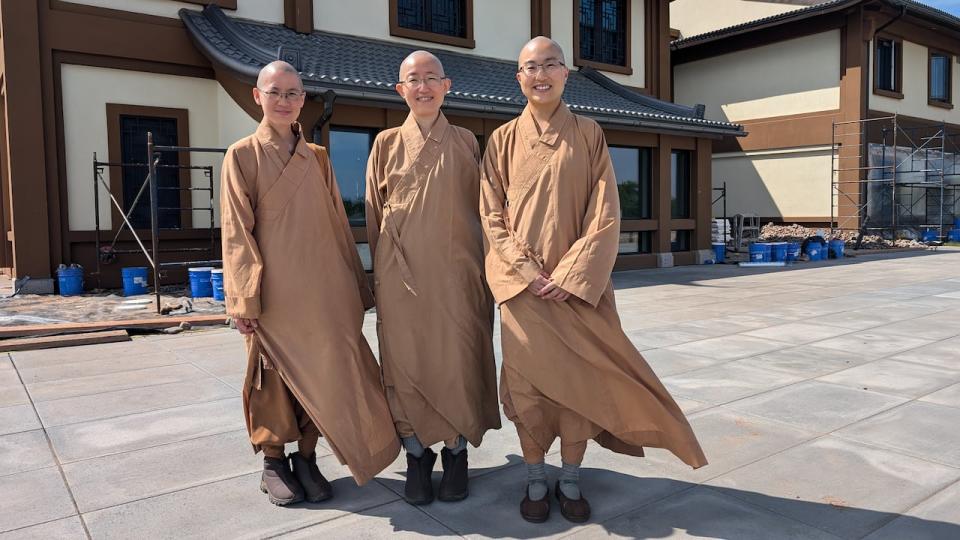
x,y
544,87
423,84
279,93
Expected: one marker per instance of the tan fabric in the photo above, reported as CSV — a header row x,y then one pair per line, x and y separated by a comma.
x,y
550,202
289,260
434,311
275,416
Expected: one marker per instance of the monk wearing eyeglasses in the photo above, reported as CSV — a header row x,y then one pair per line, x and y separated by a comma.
x,y
551,219
297,290
434,311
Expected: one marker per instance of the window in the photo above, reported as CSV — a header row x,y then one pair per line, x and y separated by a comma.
x,y
679,241
133,149
939,74
633,169
349,150
635,242
440,21
680,184
888,67
602,35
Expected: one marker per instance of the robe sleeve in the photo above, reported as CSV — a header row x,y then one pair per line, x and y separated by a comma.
x,y
346,235
584,270
509,268
242,262
374,198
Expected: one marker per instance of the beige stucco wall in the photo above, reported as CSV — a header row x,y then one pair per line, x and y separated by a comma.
x,y
797,76
694,17
791,182
561,30
915,90
213,117
259,10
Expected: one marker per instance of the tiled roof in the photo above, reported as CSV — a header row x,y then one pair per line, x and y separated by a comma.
x,y
366,69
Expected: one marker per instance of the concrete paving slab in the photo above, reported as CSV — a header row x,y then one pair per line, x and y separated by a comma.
x,y
198,339
41,496
804,361
949,396
98,384
729,347
72,410
906,379
54,357
817,406
138,431
657,337
840,479
915,428
99,366
665,362
62,529
872,344
13,395
936,518
798,333
218,362
394,520
861,319
944,353
702,512
726,382
923,327
26,451
120,478
233,508
17,418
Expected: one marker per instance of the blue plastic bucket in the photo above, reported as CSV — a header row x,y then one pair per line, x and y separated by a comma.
x,y
928,235
719,252
200,285
793,251
814,251
70,280
956,223
836,249
759,252
134,280
778,252
954,235
216,281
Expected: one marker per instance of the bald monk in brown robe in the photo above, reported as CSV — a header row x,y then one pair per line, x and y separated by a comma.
x,y
434,311
297,290
550,213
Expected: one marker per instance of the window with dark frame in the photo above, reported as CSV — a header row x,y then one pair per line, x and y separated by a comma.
x,y
887,66
940,66
133,149
446,17
633,168
633,242
680,241
349,150
603,31
680,184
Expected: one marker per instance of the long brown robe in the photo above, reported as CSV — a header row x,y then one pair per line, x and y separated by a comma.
x,y
434,311
289,260
550,202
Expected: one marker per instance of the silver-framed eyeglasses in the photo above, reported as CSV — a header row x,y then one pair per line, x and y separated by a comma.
x,y
532,69
431,82
274,95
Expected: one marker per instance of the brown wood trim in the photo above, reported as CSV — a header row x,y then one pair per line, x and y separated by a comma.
x,y
854,89
114,112
919,32
934,102
225,4
912,121
635,261
298,15
897,93
810,220
683,258
626,69
6,247
702,192
657,72
539,18
466,42
638,225
788,131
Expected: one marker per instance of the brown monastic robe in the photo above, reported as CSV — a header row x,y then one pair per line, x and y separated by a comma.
x,y
434,311
289,260
550,202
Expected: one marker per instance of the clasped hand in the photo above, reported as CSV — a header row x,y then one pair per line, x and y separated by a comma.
x,y
546,288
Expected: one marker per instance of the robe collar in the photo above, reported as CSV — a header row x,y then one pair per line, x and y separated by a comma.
x,y
269,138
413,140
528,126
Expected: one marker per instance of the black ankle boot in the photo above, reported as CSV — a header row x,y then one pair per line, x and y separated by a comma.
x,y
279,483
419,487
453,485
315,486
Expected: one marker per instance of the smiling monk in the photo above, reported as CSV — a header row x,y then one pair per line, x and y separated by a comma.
x,y
551,217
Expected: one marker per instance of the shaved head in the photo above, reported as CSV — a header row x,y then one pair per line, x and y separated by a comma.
x,y
423,60
538,45
277,66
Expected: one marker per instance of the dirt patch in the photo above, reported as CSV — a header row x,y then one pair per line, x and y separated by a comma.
x,y
798,233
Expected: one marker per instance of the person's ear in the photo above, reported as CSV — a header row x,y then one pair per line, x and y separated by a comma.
x,y
402,90
256,96
447,84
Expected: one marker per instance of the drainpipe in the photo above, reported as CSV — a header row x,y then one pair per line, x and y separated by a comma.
x,y
328,98
903,11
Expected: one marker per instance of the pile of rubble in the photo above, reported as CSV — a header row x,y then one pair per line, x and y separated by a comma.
x,y
798,233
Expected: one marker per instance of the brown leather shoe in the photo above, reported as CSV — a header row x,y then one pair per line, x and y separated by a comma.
x,y
534,511
575,510
315,486
279,483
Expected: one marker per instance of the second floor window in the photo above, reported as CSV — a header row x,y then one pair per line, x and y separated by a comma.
x,y
888,55
447,17
603,31
940,73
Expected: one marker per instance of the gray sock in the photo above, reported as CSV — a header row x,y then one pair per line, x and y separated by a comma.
x,y
460,447
412,446
536,481
570,481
